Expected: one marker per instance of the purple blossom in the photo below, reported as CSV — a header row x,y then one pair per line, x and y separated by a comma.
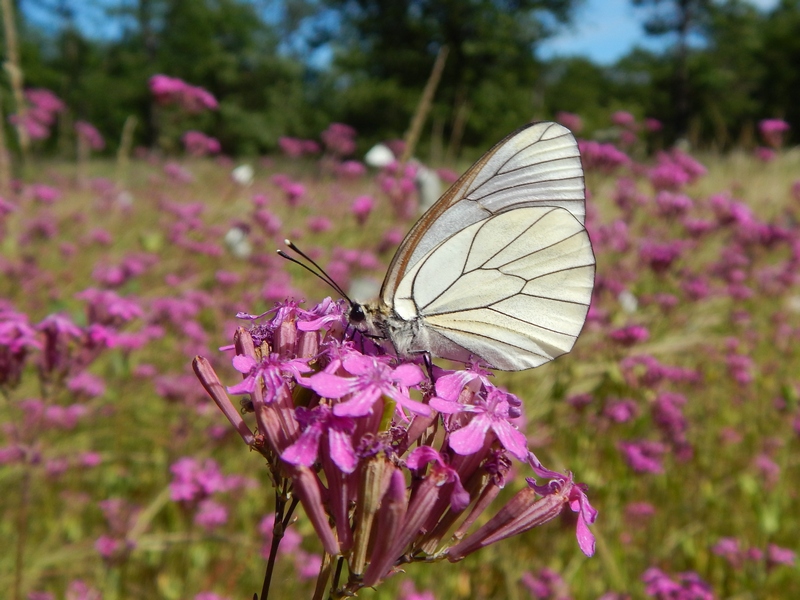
x,y
569,120
644,456
171,90
271,372
348,460
730,549
442,472
295,148
409,592
546,585
210,514
489,413
780,556
684,586
339,139
621,411
317,422
80,590
198,143
602,156
623,119
108,546
630,335
661,256
90,135
578,501
372,380
361,208
773,131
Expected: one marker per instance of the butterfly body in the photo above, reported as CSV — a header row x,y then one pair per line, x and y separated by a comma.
x,y
500,269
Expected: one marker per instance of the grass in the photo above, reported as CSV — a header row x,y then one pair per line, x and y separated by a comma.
x,y
725,489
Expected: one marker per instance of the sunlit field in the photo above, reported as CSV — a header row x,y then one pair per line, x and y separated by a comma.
x,y
678,406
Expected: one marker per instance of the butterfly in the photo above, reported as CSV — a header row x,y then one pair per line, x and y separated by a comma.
x,y
500,269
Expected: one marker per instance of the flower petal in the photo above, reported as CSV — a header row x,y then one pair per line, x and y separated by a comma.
x,y
329,386
512,439
306,449
359,405
341,446
469,439
408,374
243,363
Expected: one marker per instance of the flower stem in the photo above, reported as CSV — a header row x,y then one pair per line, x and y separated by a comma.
x,y
278,530
22,531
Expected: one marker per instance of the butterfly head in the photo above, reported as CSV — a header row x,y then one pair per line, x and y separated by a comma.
x,y
368,318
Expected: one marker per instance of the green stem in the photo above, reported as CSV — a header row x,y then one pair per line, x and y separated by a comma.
x,y
22,532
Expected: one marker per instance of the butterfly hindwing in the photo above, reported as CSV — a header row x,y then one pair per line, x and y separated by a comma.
x,y
512,289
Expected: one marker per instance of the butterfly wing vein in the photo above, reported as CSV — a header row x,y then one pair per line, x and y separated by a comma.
x,y
513,289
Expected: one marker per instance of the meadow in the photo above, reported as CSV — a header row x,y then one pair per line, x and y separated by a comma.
x,y
678,406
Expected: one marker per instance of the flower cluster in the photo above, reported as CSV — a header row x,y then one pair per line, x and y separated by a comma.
x,y
89,135
773,131
570,120
296,147
339,139
191,98
43,107
600,156
391,463
198,143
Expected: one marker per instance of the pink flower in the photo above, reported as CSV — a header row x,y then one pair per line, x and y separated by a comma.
x,y
442,472
603,157
780,556
171,90
684,586
89,134
272,371
644,456
570,120
765,154
489,413
578,500
319,224
210,514
339,139
351,169
316,423
630,335
197,143
372,379
361,208
623,118
651,124
773,130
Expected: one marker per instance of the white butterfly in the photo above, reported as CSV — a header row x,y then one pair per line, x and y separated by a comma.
x,y
500,268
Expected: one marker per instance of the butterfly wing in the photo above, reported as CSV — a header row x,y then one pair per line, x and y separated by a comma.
x,y
512,289
537,165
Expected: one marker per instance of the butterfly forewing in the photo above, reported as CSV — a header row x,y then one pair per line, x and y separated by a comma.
x,y
512,289
538,165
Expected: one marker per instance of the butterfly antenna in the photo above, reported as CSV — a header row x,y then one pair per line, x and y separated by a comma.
x,y
319,273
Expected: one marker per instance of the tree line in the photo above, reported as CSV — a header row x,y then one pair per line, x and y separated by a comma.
x,y
291,67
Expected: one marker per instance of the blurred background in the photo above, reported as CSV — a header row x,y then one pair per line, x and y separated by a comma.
x,y
155,154
708,70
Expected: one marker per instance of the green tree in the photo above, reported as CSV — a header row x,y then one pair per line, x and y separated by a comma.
x,y
681,19
779,54
386,49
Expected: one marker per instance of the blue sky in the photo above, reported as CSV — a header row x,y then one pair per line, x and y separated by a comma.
x,y
606,30
603,30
